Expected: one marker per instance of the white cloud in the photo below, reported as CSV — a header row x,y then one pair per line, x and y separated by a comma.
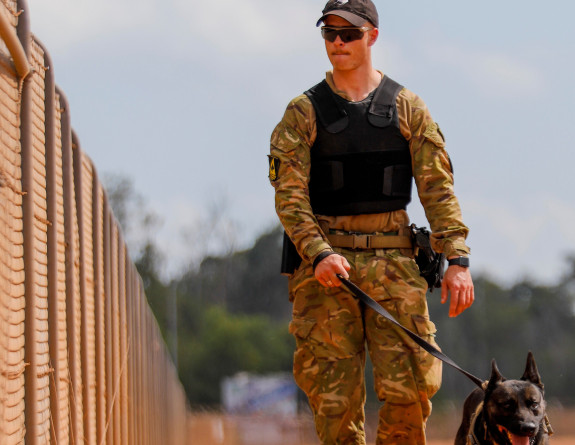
x,y
69,23
389,54
529,236
562,213
492,72
252,26
178,27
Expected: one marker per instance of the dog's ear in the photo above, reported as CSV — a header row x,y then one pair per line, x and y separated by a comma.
x,y
495,378
531,373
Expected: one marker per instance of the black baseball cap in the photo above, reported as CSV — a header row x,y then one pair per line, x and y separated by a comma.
x,y
356,12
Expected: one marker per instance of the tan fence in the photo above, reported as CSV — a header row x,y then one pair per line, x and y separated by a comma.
x,y
81,357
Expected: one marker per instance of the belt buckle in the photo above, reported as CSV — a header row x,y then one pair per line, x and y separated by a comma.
x,y
361,241
367,241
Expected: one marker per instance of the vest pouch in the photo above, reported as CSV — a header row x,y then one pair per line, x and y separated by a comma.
x,y
328,176
397,181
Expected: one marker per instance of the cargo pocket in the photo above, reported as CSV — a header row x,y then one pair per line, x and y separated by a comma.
x,y
305,366
300,328
329,340
425,327
429,366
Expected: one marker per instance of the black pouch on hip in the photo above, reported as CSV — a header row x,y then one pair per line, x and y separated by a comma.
x,y
431,264
290,258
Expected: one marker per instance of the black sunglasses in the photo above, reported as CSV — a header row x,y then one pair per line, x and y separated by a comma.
x,y
346,34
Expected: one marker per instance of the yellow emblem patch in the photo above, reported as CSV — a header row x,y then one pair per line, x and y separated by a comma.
x,y
274,167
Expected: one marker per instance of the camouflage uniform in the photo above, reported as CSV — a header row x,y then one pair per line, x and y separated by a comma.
x,y
330,326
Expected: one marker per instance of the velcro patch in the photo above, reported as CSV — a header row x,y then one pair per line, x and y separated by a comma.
x,y
434,134
274,168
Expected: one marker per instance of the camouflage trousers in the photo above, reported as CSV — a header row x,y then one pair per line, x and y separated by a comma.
x,y
332,328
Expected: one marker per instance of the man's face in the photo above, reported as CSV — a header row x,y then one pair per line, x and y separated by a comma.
x,y
352,55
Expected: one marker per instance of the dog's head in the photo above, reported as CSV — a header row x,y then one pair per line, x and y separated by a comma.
x,y
514,409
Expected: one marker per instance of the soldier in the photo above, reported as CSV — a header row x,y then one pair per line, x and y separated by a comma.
x,y
342,161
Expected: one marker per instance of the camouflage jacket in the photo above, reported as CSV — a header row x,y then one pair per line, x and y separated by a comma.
x,y
291,142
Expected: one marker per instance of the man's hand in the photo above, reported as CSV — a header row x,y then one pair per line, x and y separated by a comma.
x,y
457,281
329,267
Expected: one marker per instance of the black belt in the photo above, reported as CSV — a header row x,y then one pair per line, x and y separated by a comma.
x,y
362,296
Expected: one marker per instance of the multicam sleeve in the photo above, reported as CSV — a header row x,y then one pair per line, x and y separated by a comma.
x,y
433,175
289,162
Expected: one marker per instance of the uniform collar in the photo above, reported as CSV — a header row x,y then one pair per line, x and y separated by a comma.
x,y
341,93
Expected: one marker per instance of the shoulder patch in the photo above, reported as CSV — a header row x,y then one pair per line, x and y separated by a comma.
x,y
433,133
274,167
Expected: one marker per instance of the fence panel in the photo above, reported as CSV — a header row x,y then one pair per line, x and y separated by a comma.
x,y
82,359
35,227
110,396
83,179
58,343
12,301
98,205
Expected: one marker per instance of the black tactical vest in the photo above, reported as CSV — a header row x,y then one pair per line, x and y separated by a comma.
x,y
360,161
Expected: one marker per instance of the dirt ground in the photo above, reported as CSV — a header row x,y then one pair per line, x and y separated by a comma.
x,y
563,440
218,429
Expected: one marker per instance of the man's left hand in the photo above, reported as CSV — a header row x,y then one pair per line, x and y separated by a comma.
x,y
457,281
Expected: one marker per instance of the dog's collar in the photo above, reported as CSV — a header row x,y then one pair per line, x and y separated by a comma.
x,y
471,437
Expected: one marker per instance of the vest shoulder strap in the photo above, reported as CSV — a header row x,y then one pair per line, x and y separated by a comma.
x,y
329,112
383,109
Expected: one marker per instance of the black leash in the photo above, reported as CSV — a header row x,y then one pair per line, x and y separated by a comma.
x,y
362,296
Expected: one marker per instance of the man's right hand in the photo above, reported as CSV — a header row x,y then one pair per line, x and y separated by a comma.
x,y
327,269
457,282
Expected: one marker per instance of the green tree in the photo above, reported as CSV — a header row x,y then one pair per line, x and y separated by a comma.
x,y
227,344
245,282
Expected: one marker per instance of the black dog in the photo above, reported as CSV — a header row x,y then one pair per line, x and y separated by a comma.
x,y
506,412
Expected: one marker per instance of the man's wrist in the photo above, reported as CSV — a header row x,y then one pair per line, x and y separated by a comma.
x,y
321,257
461,261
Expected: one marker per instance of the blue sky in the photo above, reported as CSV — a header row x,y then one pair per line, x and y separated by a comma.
x,y
181,96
